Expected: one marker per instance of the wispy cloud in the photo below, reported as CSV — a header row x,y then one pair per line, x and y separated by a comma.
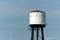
x,y
48,38
10,37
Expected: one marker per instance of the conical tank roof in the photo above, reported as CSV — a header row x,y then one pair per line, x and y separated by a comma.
x,y
38,11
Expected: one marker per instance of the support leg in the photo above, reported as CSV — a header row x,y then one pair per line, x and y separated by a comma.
x,y
32,34
37,33
42,33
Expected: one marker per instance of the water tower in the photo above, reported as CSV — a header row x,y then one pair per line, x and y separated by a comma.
x,y
37,21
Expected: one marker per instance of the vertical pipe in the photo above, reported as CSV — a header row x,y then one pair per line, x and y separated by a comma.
x,y
32,33
37,33
42,33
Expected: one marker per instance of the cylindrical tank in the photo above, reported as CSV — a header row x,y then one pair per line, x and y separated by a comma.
x,y
37,18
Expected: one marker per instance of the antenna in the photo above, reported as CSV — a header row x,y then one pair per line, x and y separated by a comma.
x,y
37,21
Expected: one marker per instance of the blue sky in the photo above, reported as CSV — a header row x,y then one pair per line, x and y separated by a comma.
x,y
14,17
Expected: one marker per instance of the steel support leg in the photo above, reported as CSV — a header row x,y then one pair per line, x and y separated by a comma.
x,y
42,33
37,33
32,34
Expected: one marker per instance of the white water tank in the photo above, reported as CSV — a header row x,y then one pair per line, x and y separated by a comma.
x,y
37,18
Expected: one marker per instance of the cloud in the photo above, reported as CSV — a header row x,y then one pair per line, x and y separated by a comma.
x,y
48,38
10,37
